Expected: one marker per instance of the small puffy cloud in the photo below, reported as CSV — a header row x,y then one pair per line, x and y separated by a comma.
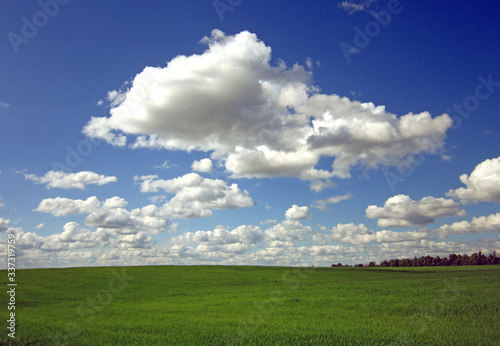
x,y
196,196
108,215
322,203
482,185
4,225
75,237
402,211
152,183
478,224
203,165
40,226
114,202
297,213
149,218
166,165
65,180
352,6
320,185
60,206
221,239
268,221
286,233
360,234
4,105
257,119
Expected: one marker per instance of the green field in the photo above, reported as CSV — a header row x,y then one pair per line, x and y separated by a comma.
x,y
172,305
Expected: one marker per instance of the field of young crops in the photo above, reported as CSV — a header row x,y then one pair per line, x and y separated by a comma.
x,y
255,305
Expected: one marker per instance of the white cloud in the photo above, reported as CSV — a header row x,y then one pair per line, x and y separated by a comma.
x,y
478,224
75,237
402,211
60,206
108,215
320,185
4,225
40,226
322,203
65,180
483,184
114,202
297,213
196,196
268,221
166,165
352,6
243,245
221,239
360,234
259,120
203,165
149,218
4,105
286,234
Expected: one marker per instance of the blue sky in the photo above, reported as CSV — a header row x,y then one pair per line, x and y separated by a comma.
x,y
238,132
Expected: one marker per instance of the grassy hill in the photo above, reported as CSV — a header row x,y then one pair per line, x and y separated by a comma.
x,y
172,305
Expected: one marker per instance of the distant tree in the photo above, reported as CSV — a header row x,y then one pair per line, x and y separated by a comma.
x,y
493,258
437,261
384,263
372,264
359,265
453,259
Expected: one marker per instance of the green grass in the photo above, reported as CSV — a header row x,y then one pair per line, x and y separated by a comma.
x,y
256,306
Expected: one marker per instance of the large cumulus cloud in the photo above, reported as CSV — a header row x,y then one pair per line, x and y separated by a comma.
x,y
482,185
259,119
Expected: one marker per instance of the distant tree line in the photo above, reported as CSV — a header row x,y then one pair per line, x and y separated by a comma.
x,y
429,261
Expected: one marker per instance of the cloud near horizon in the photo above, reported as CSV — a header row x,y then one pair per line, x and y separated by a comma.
x,y
259,120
